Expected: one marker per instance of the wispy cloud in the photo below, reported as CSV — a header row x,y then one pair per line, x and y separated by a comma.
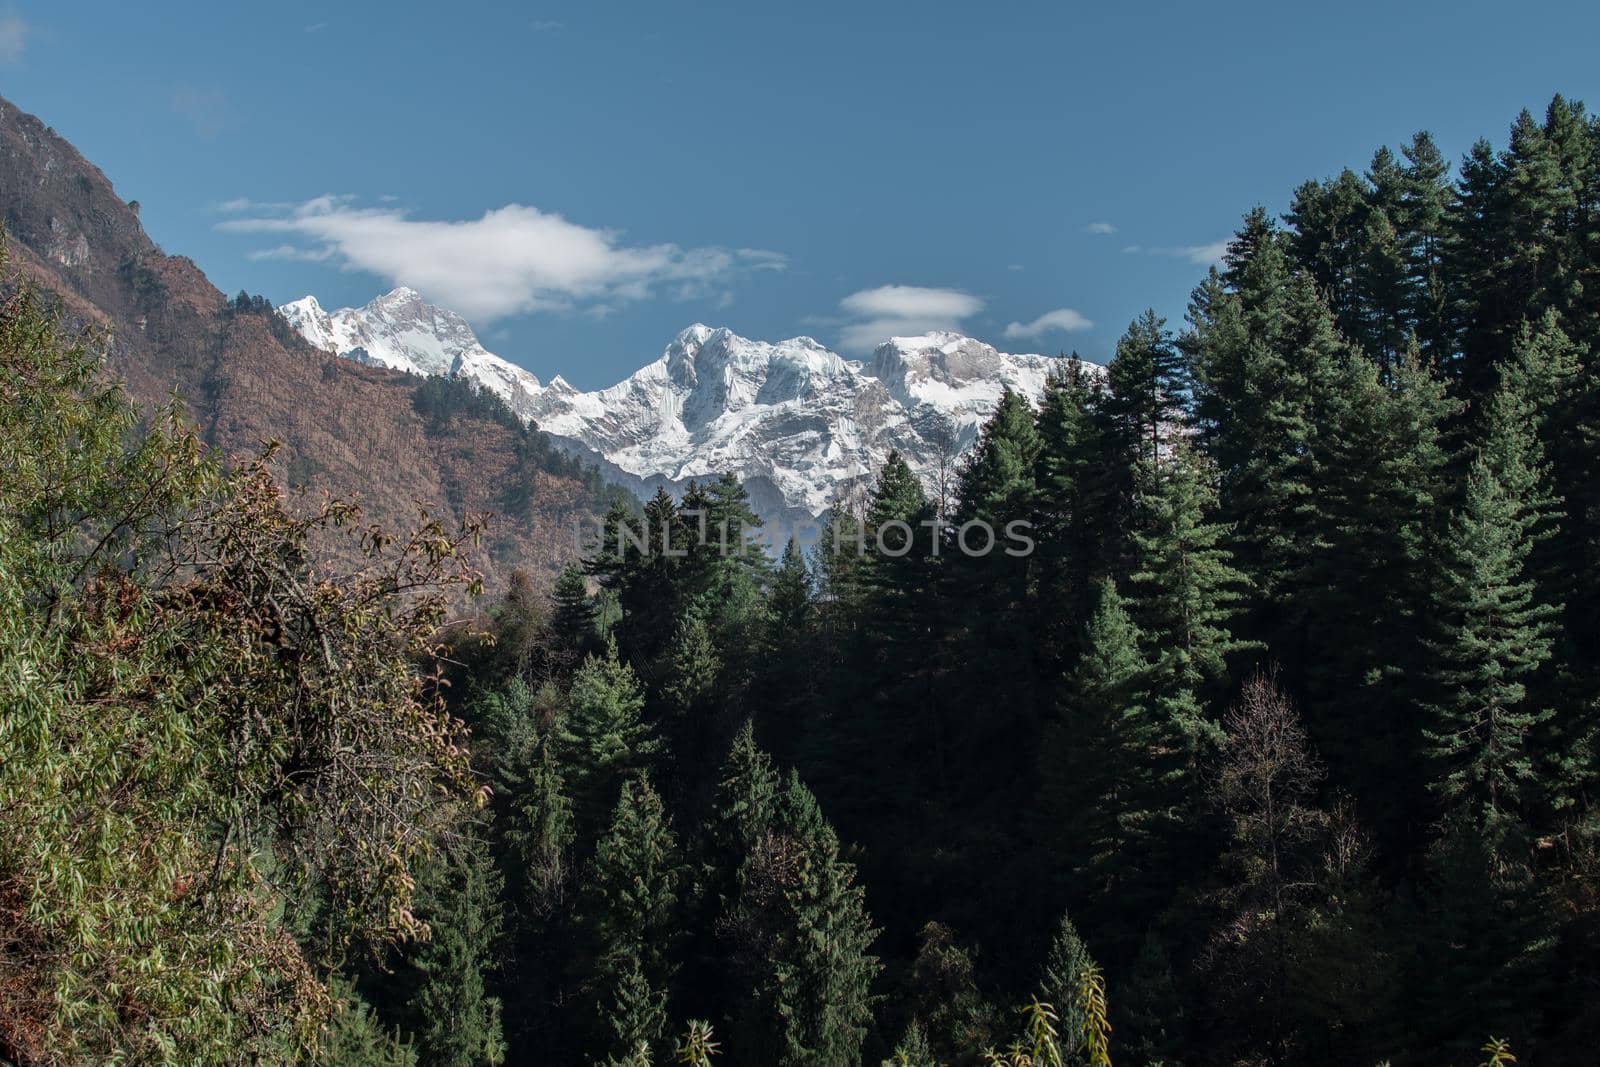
x,y
240,204
316,27
1065,320
901,310
513,259
14,32
1105,229
294,253
1200,255
207,109
547,25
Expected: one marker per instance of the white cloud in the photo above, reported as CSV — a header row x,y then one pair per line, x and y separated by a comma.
x,y
514,259
547,25
902,310
1064,319
293,252
1200,255
1102,228
13,36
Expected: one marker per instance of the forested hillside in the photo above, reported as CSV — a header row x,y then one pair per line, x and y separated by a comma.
x,y
1276,746
246,378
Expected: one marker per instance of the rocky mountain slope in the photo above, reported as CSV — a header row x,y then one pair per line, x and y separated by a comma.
x,y
800,425
248,378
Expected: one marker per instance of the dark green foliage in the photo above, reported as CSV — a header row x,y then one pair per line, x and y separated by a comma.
x,y
798,931
573,615
1492,637
633,905
952,1019
1064,971
454,1020
1372,458
1189,592
356,1037
438,399
1149,388
604,737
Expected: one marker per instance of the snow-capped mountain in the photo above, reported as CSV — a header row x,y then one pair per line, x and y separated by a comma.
x,y
800,425
400,331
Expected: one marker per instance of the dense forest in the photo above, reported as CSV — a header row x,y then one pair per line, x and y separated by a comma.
x,y
1278,747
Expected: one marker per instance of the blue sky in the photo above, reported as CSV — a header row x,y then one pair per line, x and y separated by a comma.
x,y
583,180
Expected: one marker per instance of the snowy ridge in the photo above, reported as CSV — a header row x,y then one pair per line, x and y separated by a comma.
x,y
803,427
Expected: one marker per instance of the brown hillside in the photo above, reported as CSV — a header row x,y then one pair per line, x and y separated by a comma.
x,y
247,379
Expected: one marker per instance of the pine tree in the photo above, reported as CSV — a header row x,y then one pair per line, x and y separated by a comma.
x,y
1262,351
604,738
539,827
1492,636
356,1037
1072,544
572,619
693,691
1496,622
1479,948
1150,1009
912,1050
1477,246
518,727
633,905
897,719
1330,221
955,1019
723,578
1187,592
454,1020
1064,971
747,799
982,601
800,939
791,661
635,1013
520,625
997,484
1112,771
1381,483
1422,226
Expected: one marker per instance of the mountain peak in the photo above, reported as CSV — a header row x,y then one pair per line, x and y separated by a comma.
x,y
399,295
800,425
402,331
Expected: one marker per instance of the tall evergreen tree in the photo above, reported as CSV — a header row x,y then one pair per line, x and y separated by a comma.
x,y
455,1021
1187,592
604,739
1065,968
1105,766
572,618
801,940
633,906
1423,229
1072,547
1492,636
